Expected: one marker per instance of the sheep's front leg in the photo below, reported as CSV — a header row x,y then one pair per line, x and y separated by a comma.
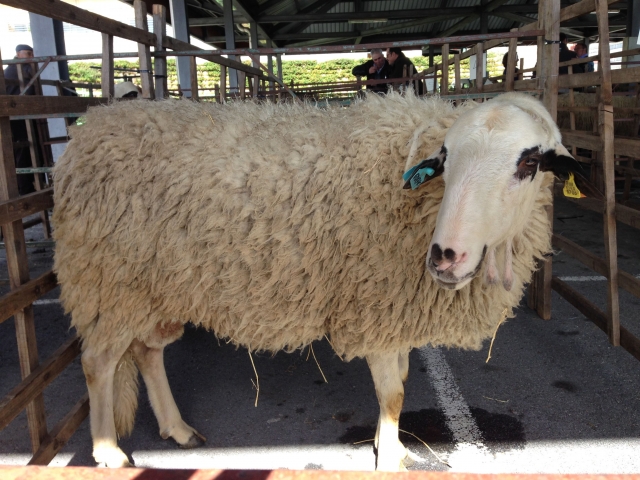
x,y
388,372
99,369
150,361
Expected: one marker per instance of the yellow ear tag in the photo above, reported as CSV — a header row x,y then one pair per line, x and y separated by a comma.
x,y
570,188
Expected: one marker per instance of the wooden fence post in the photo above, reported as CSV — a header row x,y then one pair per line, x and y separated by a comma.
x,y
605,119
193,66
444,86
223,83
144,51
18,267
549,14
511,64
106,79
456,72
160,63
479,67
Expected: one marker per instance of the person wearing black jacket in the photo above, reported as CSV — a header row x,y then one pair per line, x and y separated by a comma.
x,y
566,55
19,127
398,61
375,69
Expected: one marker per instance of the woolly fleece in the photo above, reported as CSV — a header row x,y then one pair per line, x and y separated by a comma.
x,y
271,225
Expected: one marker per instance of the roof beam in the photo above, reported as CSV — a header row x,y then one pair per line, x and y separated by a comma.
x,y
521,19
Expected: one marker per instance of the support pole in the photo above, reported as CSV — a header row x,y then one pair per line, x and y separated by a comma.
x,y
180,25
605,120
106,79
18,267
511,64
231,42
160,63
549,17
444,86
144,51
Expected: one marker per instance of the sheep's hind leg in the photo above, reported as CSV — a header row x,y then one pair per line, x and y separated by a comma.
x,y
99,370
150,361
388,372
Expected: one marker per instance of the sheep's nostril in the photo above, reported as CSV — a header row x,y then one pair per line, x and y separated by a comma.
x,y
436,254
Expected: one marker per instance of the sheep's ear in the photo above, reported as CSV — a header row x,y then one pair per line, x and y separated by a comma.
x,y
426,170
564,166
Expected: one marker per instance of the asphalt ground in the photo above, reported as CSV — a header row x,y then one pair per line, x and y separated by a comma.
x,y
555,397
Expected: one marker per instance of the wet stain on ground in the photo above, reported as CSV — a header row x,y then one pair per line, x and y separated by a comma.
x,y
564,385
300,410
358,433
567,333
343,416
500,432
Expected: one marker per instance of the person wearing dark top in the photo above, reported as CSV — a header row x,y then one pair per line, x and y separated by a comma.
x,y
397,60
505,59
566,55
19,127
375,69
582,51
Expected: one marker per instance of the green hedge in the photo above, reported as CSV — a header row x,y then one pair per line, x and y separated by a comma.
x,y
299,71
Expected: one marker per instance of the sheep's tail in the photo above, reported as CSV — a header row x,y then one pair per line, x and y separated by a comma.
x,y
125,394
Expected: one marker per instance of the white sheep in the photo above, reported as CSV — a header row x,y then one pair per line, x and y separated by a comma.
x,y
274,226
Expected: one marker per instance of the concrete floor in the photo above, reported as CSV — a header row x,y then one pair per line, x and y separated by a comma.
x,y
555,396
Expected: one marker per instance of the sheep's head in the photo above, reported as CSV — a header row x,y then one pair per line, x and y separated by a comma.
x,y
492,162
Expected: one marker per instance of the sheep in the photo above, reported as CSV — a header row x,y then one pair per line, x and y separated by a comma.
x,y
277,225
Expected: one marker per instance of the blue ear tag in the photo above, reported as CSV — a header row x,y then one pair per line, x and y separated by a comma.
x,y
416,175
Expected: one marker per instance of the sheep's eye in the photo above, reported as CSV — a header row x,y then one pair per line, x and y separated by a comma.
x,y
532,161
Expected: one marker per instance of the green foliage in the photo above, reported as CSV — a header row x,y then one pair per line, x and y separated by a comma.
x,y
298,71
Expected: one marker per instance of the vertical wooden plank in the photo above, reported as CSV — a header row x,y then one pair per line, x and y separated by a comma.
x,y
144,51
572,115
242,84
33,154
256,86
193,66
540,50
511,64
605,117
456,73
18,268
549,20
160,63
223,83
521,75
479,66
444,86
106,80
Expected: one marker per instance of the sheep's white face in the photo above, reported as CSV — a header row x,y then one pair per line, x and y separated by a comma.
x,y
493,158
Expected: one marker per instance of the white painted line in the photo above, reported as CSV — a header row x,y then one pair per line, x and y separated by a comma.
x,y
470,450
595,278
47,301
587,278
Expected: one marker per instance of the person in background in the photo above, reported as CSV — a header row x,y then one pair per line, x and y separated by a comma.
x,y
375,69
582,51
397,61
505,59
19,127
567,55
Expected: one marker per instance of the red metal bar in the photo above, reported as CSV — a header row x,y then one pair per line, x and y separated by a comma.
x,y
82,473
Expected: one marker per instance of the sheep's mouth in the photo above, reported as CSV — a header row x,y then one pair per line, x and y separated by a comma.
x,y
450,282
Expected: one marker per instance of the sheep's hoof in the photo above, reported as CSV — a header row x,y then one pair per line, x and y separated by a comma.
x,y
111,458
196,440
